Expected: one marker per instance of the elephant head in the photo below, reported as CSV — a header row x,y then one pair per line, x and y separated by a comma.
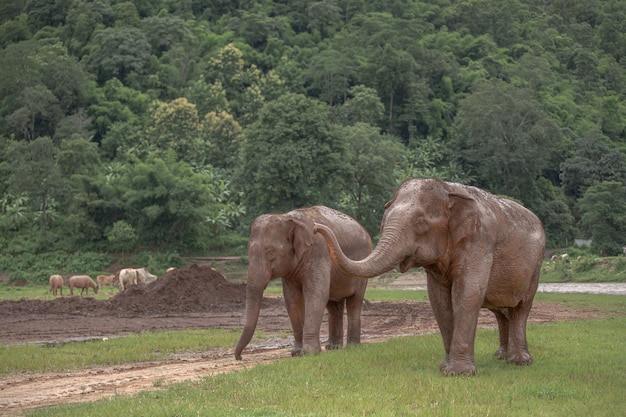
x,y
422,223
277,243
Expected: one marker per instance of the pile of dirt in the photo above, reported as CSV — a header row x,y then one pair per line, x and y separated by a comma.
x,y
185,290
195,288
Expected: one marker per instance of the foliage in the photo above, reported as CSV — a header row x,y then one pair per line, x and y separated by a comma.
x,y
367,151
525,100
37,268
584,267
603,217
292,157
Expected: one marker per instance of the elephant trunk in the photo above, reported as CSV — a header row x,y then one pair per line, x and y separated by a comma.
x,y
387,254
254,295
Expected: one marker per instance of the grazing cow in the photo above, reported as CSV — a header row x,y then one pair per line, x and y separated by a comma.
x,y
145,277
564,257
126,277
84,282
56,283
105,280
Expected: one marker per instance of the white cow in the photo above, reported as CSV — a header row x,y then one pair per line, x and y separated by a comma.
x,y
126,277
145,276
134,276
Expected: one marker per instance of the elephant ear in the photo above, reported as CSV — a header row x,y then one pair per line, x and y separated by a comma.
x,y
463,219
302,236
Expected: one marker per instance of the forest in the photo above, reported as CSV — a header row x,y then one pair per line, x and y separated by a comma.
x,y
169,126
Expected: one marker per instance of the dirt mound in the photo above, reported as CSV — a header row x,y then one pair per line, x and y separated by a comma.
x,y
185,290
196,288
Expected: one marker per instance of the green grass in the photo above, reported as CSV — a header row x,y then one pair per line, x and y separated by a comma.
x,y
145,346
42,292
610,304
585,269
579,370
378,294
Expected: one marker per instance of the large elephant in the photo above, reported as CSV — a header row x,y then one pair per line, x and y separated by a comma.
x,y
478,250
284,246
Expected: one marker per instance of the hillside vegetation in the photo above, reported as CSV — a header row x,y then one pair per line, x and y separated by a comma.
x,y
168,126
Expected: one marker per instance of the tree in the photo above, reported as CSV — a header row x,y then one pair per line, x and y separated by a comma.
x,y
165,32
222,133
426,158
330,72
176,126
291,157
371,160
122,236
78,156
603,209
363,105
241,82
35,172
118,52
165,201
39,83
391,70
593,161
503,136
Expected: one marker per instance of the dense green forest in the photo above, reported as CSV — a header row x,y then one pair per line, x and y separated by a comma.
x,y
169,125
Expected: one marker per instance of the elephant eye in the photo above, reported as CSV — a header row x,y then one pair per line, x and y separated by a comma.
x,y
268,254
420,225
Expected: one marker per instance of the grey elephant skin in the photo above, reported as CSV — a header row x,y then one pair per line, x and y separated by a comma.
x,y
478,250
284,246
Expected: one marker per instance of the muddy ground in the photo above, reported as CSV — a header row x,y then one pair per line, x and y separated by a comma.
x,y
194,297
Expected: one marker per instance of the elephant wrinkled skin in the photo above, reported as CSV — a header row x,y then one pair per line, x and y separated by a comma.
x,y
478,250
284,246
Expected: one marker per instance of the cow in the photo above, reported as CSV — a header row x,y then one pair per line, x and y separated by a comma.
x,y
84,282
126,277
106,280
144,276
56,283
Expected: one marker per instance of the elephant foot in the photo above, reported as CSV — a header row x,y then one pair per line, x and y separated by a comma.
x,y
333,346
520,358
500,353
455,368
297,352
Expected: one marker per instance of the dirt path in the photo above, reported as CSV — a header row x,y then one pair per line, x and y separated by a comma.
x,y
202,299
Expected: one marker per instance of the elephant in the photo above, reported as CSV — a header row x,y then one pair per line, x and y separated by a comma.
x,y
284,246
478,251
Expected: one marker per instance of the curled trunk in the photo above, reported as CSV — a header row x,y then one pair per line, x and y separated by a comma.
x,y
386,255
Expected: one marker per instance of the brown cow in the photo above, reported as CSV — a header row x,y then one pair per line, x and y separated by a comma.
x,y
56,283
84,282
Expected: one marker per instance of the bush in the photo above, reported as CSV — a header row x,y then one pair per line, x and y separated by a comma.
x,y
37,268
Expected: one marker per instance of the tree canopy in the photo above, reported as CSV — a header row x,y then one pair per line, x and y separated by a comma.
x,y
171,125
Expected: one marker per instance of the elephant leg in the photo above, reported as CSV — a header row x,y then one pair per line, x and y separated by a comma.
x,y
503,332
467,298
441,303
315,290
335,324
354,305
517,351
294,301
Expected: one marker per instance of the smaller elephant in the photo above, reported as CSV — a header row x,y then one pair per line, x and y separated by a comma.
x,y
284,246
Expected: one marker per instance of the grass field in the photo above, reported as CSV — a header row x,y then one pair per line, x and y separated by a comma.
x,y
579,370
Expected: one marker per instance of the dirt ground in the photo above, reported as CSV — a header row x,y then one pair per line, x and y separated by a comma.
x,y
194,297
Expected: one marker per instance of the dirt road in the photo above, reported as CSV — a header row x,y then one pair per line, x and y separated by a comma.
x,y
194,297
